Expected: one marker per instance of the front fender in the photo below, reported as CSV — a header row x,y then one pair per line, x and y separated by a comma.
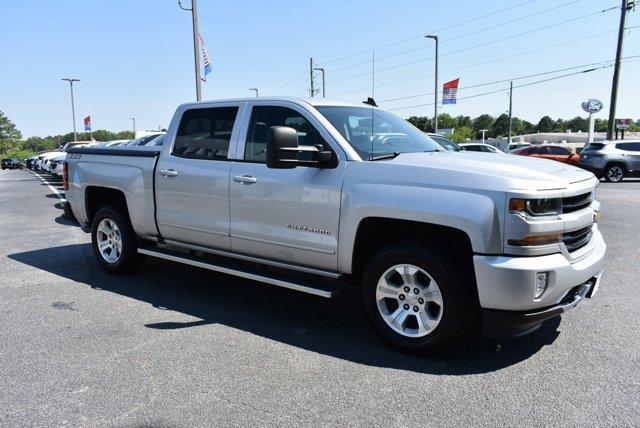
x,y
474,214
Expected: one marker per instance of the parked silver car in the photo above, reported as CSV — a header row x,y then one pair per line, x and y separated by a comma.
x,y
613,160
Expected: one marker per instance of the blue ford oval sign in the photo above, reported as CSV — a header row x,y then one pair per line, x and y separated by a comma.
x,y
592,105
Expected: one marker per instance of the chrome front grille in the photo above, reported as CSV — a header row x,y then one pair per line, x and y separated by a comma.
x,y
578,202
577,239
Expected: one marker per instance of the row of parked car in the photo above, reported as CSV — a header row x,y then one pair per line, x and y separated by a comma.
x,y
53,161
611,160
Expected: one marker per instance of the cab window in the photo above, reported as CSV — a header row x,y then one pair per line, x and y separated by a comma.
x,y
264,117
205,133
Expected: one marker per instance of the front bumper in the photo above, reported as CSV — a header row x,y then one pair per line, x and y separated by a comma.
x,y
509,324
507,283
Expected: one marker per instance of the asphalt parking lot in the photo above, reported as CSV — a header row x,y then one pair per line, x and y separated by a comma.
x,y
178,346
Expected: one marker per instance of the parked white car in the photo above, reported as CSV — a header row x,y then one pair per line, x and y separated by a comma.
x,y
56,165
480,147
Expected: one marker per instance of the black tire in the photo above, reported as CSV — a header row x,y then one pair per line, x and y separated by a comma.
x,y
459,308
129,259
614,173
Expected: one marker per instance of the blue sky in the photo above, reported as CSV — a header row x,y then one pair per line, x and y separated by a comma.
x,y
135,58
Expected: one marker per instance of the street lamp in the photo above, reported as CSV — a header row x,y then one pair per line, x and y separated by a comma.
x,y
256,90
435,92
73,108
134,126
196,44
483,131
324,88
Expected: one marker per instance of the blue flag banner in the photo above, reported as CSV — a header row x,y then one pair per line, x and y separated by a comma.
x,y
450,92
207,59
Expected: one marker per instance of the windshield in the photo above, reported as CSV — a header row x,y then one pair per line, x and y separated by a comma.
x,y
446,144
374,133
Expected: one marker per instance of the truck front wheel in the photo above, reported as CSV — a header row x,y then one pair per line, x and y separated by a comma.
x,y
114,242
417,300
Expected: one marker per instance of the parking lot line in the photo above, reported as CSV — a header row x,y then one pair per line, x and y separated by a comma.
x,y
53,189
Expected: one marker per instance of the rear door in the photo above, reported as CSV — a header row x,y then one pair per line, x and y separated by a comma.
x,y
192,176
631,155
285,214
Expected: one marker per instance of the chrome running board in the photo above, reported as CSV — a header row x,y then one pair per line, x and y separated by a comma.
x,y
236,269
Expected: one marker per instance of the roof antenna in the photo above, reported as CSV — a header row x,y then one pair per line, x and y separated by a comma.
x,y
370,101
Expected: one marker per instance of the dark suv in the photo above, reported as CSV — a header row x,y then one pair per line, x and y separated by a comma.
x,y
613,160
10,164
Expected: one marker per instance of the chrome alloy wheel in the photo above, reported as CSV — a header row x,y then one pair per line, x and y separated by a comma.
x,y
615,173
409,300
109,240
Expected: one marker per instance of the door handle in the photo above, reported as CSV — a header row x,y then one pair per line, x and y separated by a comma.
x,y
245,179
168,172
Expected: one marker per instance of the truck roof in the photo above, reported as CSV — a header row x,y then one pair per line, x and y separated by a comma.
x,y
316,101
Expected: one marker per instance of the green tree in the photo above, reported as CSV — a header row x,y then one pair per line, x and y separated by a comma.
x,y
500,127
422,123
578,124
464,121
9,134
601,125
484,121
546,124
446,121
462,134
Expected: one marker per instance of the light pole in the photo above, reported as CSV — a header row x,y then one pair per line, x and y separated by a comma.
x,y
73,107
134,126
626,5
196,44
324,88
483,131
256,90
435,92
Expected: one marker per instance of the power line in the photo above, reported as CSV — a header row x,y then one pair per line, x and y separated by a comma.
x,y
581,39
499,81
511,21
519,86
304,73
421,35
478,45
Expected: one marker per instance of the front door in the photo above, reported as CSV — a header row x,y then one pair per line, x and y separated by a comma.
x,y
285,214
192,178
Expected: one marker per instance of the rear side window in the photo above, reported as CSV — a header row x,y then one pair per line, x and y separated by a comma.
x,y
472,148
632,147
595,146
558,151
205,133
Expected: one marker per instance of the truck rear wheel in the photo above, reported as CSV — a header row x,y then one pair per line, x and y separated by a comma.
x,y
417,300
114,242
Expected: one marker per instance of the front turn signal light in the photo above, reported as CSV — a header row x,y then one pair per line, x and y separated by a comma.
x,y
554,238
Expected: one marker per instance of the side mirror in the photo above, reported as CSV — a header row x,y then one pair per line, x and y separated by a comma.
x,y
282,147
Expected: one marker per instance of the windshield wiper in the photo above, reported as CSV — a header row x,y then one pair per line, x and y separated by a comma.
x,y
387,156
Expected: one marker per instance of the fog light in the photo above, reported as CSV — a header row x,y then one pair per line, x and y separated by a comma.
x,y
542,280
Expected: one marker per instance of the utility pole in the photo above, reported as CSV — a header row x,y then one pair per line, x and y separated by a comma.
x,y
324,88
626,5
311,90
73,107
483,131
256,91
435,92
134,126
510,104
196,44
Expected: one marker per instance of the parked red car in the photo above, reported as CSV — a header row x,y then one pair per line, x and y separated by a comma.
x,y
549,151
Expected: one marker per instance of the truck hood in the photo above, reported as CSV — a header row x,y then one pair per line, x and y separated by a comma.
x,y
504,171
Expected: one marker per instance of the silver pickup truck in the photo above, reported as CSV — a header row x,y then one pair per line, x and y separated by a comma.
x,y
311,195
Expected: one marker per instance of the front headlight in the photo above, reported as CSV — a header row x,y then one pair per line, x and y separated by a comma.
x,y
536,207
